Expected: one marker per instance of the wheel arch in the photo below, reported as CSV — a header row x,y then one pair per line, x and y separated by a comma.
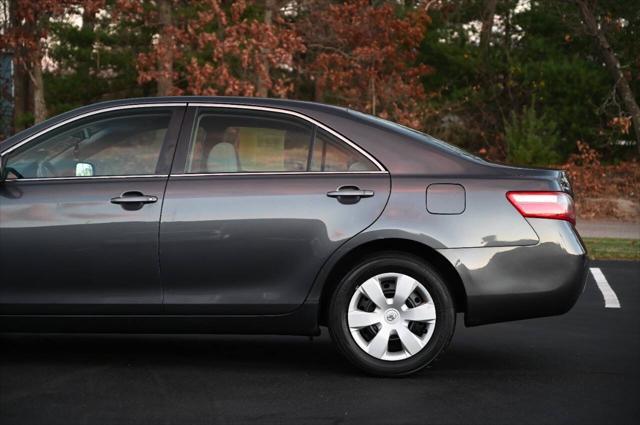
x,y
356,254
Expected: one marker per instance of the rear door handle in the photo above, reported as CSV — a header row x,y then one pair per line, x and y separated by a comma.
x,y
350,193
134,198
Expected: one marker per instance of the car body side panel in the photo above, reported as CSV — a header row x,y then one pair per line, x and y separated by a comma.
x,y
488,220
66,249
510,266
510,283
501,283
251,244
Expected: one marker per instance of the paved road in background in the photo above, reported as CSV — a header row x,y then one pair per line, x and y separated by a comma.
x,y
608,229
578,368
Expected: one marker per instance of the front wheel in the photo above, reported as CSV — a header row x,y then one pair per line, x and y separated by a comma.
x,y
392,315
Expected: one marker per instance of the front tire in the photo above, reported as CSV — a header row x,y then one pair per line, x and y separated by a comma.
x,y
392,315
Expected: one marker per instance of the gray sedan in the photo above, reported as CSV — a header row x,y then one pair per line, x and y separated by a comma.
x,y
241,215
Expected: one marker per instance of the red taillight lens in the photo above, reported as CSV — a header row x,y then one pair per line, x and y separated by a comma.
x,y
555,205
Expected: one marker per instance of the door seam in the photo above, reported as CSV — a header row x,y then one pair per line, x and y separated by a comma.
x,y
164,195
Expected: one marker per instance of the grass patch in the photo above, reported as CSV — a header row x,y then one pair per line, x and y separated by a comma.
x,y
613,249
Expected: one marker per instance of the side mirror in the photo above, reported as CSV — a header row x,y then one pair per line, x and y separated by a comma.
x,y
84,169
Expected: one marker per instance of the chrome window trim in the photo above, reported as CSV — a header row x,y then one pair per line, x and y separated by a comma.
x,y
299,115
278,173
381,169
133,176
88,114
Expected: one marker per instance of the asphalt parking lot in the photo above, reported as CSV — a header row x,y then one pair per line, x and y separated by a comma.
x,y
578,368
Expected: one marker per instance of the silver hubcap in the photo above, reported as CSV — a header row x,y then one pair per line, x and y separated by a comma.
x,y
391,316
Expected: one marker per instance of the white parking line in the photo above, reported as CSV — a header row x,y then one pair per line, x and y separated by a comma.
x,y
610,298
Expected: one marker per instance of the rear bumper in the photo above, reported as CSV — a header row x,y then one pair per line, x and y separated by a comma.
x,y
512,283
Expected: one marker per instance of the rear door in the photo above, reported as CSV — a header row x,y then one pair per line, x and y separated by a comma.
x,y
80,213
257,201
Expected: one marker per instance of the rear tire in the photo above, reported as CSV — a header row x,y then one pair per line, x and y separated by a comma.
x,y
392,314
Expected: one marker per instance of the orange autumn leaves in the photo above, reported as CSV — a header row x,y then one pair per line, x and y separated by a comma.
x,y
349,53
603,191
366,57
216,50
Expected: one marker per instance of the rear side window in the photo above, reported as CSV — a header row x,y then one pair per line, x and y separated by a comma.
x,y
232,141
228,142
332,154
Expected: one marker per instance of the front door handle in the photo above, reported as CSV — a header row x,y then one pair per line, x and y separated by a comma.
x,y
350,194
134,198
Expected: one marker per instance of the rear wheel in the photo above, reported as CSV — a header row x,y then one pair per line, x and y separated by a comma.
x,y
392,315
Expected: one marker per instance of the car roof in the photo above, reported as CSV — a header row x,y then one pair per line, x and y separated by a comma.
x,y
232,100
295,105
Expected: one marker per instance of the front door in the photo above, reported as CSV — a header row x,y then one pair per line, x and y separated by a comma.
x,y
256,203
80,211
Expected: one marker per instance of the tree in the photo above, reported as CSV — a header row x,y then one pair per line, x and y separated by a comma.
x,y
613,65
165,48
225,49
480,62
365,56
539,50
156,62
531,139
26,37
487,24
269,7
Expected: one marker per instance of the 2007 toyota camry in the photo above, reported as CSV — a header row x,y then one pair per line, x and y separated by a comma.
x,y
241,215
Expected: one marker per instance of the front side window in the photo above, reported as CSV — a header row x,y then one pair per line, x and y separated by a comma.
x,y
228,142
117,143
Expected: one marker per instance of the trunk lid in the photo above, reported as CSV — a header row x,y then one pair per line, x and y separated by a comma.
x,y
561,177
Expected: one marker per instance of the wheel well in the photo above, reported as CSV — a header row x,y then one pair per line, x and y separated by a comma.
x,y
428,254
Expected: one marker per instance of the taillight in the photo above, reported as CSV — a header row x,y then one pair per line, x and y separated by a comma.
x,y
554,205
